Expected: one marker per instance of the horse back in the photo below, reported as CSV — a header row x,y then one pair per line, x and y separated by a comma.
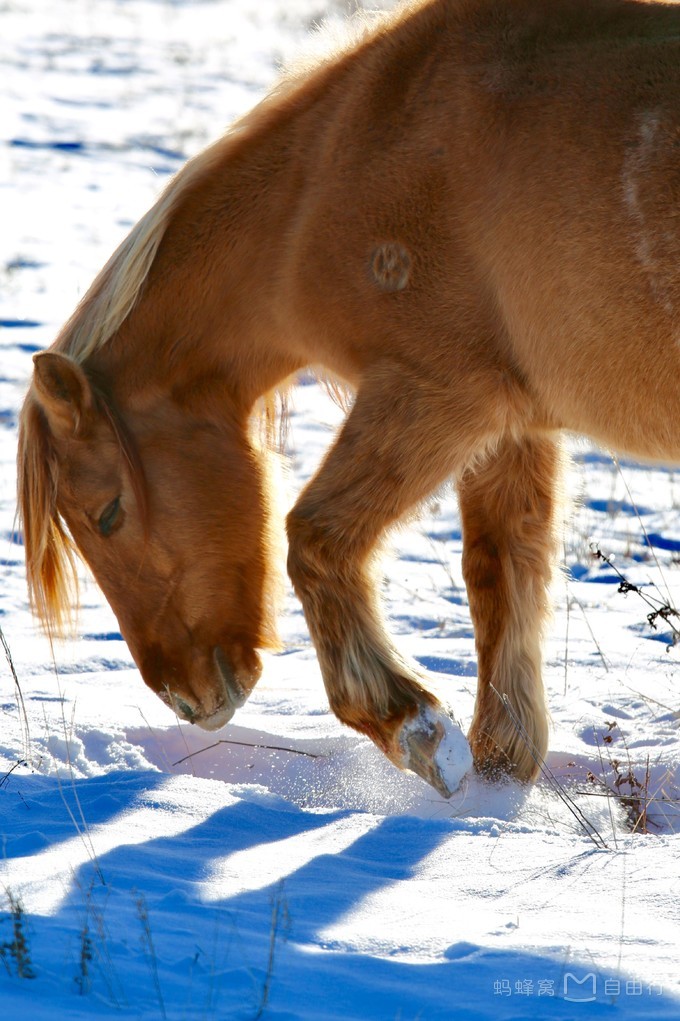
x,y
501,181
472,182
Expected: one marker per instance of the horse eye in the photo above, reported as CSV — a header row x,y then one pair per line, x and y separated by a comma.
x,y
108,517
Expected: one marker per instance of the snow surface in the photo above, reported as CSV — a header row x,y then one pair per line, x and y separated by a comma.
x,y
282,868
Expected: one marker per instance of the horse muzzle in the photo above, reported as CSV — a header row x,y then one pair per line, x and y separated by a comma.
x,y
232,684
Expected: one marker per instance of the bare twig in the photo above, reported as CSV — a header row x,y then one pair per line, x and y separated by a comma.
x,y
642,525
26,735
602,656
279,918
249,744
658,607
148,944
607,793
591,831
636,801
609,805
81,828
5,779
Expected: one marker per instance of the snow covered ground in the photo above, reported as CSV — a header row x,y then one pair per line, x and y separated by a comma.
x,y
281,868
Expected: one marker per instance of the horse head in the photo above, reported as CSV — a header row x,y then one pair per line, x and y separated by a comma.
x,y
165,503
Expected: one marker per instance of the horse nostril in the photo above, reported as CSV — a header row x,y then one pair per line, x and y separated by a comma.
x,y
183,708
180,707
236,695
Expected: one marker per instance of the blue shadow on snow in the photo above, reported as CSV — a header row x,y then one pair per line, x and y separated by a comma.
x,y
213,959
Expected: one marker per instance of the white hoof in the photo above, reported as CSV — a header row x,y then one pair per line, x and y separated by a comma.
x,y
435,748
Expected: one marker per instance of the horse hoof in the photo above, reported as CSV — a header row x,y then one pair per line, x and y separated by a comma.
x,y
435,748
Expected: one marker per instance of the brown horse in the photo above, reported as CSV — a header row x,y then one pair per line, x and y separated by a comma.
x,y
470,216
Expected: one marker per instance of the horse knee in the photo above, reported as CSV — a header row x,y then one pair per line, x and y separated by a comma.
x,y
306,558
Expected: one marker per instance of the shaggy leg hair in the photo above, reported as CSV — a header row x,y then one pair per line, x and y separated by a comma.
x,y
508,511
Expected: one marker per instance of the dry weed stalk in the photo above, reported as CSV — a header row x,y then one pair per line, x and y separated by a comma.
x,y
16,950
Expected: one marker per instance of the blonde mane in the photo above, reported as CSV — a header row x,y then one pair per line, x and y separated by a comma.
x,y
116,288
113,294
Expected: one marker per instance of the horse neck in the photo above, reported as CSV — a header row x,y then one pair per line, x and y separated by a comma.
x,y
214,302
207,310
221,297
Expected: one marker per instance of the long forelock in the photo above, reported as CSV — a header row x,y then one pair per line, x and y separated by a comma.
x,y
51,554
51,571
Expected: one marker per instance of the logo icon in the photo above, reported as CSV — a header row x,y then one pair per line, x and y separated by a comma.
x,y
580,990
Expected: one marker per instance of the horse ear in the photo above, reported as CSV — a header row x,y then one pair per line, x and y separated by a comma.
x,y
63,391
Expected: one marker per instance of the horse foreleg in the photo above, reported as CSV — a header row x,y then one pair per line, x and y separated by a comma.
x,y
508,509
402,439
